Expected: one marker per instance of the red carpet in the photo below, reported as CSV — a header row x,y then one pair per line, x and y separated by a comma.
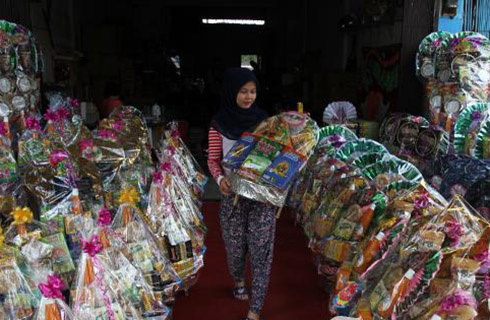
x,y
294,292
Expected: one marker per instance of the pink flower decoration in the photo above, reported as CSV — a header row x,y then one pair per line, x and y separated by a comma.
x,y
157,177
107,134
3,129
166,166
421,202
51,115
63,113
484,259
92,247
56,157
171,150
118,125
86,144
73,102
52,289
457,299
175,134
454,231
105,217
33,124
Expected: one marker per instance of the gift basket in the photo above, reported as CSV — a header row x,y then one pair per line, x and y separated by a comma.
x,y
108,286
129,125
109,156
468,126
264,163
307,189
186,166
131,236
177,224
43,246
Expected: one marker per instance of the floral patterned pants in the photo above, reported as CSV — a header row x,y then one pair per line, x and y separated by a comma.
x,y
249,227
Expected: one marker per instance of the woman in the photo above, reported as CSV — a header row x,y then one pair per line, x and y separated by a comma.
x,y
249,226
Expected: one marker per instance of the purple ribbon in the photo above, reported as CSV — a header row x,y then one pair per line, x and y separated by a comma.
x,y
421,202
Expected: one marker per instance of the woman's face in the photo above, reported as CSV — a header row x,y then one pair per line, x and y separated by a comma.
x,y
246,95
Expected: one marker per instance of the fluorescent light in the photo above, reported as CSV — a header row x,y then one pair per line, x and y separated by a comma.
x,y
234,21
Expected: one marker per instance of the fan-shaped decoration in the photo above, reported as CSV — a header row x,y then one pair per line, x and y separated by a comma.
x,y
482,148
328,131
339,112
356,148
467,127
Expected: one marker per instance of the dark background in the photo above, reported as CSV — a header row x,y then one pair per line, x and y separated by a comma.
x,y
304,54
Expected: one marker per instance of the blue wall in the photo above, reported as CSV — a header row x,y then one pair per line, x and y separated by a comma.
x,y
454,24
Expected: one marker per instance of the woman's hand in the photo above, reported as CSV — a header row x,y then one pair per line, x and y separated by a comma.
x,y
225,186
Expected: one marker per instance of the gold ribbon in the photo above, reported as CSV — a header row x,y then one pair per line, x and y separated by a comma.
x,y
22,215
2,237
129,196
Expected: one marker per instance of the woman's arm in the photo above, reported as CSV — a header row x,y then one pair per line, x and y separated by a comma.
x,y
215,154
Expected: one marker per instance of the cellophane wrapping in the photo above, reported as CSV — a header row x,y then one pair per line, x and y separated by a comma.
x,y
264,168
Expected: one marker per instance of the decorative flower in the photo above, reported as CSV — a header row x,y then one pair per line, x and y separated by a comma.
x,y
86,144
63,113
52,289
421,202
454,231
33,124
454,42
476,115
166,166
92,247
56,157
22,215
175,134
73,102
457,299
118,125
107,134
484,258
3,129
50,115
157,177
105,217
336,140
129,196
171,149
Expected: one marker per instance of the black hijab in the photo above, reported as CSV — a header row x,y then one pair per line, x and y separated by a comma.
x,y
231,120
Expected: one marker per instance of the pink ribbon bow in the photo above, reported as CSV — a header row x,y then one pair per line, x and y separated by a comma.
x,y
86,144
107,134
118,125
92,247
73,102
52,289
51,115
63,113
157,177
166,166
56,157
33,123
105,217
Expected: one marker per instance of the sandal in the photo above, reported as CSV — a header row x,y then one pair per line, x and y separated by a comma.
x,y
240,293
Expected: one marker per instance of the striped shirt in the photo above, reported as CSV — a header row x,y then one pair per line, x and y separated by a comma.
x,y
218,146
